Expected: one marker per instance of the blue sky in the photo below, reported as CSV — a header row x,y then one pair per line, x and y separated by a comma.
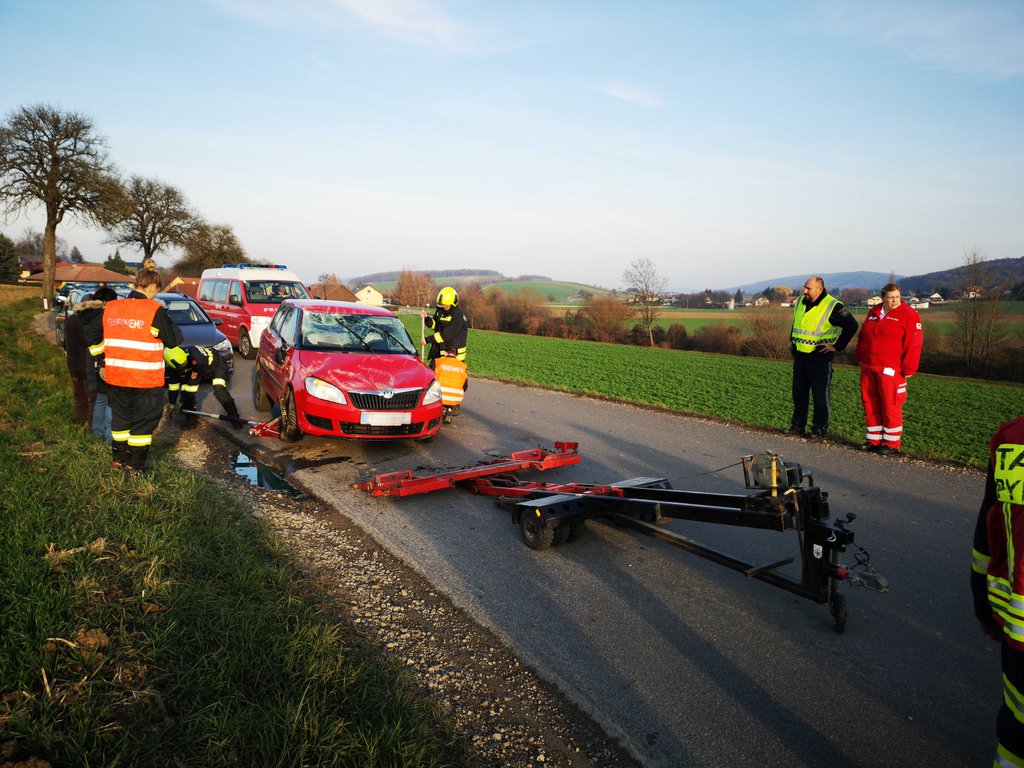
x,y
726,141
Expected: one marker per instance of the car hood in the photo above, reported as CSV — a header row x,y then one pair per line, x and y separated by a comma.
x,y
350,371
201,334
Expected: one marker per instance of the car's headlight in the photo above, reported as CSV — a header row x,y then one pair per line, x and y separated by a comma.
x,y
324,391
223,346
433,393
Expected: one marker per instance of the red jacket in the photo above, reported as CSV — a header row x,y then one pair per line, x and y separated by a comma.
x,y
893,341
997,565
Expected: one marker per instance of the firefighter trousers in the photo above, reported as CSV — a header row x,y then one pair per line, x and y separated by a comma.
x,y
1010,720
883,392
134,414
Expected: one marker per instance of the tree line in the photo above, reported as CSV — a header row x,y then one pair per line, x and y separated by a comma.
x,y
58,161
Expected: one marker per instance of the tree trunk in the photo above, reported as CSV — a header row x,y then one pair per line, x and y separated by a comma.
x,y
49,259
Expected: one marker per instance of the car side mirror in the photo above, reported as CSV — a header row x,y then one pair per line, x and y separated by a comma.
x,y
235,299
218,320
280,353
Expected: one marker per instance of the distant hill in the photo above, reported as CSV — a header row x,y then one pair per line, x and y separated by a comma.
x,y
438,274
1007,272
834,281
555,290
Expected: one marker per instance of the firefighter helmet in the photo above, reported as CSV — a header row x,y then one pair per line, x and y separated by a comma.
x,y
447,297
175,357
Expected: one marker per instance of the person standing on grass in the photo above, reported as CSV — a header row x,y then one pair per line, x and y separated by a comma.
x,y
997,580
822,326
889,351
92,318
130,356
79,362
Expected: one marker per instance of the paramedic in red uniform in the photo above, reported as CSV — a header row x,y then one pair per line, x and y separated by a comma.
x,y
889,350
997,580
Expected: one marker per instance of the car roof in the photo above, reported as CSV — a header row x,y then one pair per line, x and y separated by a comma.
x,y
338,307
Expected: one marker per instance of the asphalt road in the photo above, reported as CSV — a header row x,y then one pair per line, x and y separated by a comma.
x,y
690,663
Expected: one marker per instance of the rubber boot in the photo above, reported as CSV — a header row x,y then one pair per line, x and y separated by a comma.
x,y
119,454
232,410
137,459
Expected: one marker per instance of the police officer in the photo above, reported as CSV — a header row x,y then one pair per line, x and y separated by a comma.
x,y
449,325
187,368
128,348
822,326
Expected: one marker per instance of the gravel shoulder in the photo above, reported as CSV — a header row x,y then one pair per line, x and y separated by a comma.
x,y
505,713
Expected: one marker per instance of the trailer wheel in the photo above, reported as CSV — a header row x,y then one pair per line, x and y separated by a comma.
x,y
536,533
837,607
567,532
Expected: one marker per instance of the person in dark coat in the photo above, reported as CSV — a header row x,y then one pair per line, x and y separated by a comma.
x,y
78,361
91,317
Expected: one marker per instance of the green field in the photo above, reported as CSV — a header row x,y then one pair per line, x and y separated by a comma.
x,y
946,418
546,288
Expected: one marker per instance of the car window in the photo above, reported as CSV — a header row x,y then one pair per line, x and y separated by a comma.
x,y
220,291
185,312
333,331
290,325
273,291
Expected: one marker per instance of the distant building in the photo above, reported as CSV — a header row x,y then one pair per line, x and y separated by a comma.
x,y
936,298
873,301
187,285
370,295
331,291
761,301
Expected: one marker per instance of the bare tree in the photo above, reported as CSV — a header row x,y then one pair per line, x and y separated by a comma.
x,y
646,285
978,324
57,160
768,332
413,289
148,215
209,246
604,317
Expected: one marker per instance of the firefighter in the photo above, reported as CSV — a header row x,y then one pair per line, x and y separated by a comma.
x,y
449,325
889,351
822,326
187,369
453,377
997,579
128,347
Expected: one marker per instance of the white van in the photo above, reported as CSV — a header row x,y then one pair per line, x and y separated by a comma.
x,y
245,297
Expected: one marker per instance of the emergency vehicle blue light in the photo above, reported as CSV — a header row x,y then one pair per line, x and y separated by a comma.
x,y
253,266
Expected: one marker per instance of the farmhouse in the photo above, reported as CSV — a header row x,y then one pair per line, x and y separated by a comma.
x,y
370,295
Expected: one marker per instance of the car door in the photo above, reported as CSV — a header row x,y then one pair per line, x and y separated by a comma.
x,y
275,348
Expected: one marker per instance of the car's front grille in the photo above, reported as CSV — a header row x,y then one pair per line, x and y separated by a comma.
x,y
352,428
401,400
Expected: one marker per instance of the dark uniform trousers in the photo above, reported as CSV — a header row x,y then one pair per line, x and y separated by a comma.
x,y
135,414
812,379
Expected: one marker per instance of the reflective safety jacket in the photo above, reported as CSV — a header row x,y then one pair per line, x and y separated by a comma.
x,y
450,330
134,354
452,376
812,326
997,565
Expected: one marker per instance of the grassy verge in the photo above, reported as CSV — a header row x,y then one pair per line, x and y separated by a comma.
x,y
149,621
946,418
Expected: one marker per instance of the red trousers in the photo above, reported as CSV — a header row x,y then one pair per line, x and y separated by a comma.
x,y
883,392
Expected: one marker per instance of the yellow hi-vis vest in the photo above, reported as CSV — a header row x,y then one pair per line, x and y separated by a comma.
x,y
811,326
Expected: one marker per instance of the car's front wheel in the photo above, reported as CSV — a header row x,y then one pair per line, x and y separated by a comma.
x,y
245,348
290,431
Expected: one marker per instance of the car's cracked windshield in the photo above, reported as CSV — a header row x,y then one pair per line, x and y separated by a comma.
x,y
355,333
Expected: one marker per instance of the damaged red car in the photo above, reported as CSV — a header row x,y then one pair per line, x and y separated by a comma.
x,y
341,369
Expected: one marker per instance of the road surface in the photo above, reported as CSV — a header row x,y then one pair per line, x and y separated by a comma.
x,y
688,663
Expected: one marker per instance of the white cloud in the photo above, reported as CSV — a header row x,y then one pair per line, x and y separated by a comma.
x,y
985,37
620,89
413,21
